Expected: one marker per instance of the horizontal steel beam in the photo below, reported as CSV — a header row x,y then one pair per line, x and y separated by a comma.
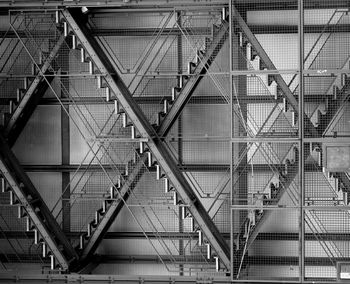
x,y
15,277
109,3
190,260
184,167
188,235
156,146
121,167
212,100
204,31
188,4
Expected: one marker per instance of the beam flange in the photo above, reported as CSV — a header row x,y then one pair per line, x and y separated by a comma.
x,y
156,146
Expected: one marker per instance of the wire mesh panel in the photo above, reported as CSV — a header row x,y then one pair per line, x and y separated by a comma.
x,y
261,109
328,247
326,42
256,32
271,253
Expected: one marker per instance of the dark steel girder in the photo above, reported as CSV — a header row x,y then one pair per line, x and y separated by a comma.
x,y
188,235
249,260
213,100
183,167
31,98
38,212
244,4
156,146
256,29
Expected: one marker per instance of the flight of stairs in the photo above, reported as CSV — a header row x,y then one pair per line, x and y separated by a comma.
x,y
143,151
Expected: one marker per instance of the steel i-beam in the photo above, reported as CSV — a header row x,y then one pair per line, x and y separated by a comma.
x,y
156,146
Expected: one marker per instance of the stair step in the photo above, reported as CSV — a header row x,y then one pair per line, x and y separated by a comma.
x,y
262,65
3,185
22,212
192,229
52,262
13,198
214,30
36,237
175,198
191,66
149,159
285,105
97,218
207,43
224,13
253,53
82,55
208,250
29,225
74,42
174,92
200,238
165,106
270,79
159,174
11,107
91,67
44,249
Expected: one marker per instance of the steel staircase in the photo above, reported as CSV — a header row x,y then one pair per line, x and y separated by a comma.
x,y
145,153
39,219
288,174
29,95
187,83
14,181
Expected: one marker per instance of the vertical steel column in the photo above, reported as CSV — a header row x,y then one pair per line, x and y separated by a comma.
x,y
301,143
65,144
231,135
180,142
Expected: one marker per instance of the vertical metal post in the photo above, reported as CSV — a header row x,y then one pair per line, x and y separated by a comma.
x,y
301,143
179,71
231,135
65,144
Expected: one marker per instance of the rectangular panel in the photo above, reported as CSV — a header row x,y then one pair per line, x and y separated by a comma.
x,y
261,109
337,158
269,252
